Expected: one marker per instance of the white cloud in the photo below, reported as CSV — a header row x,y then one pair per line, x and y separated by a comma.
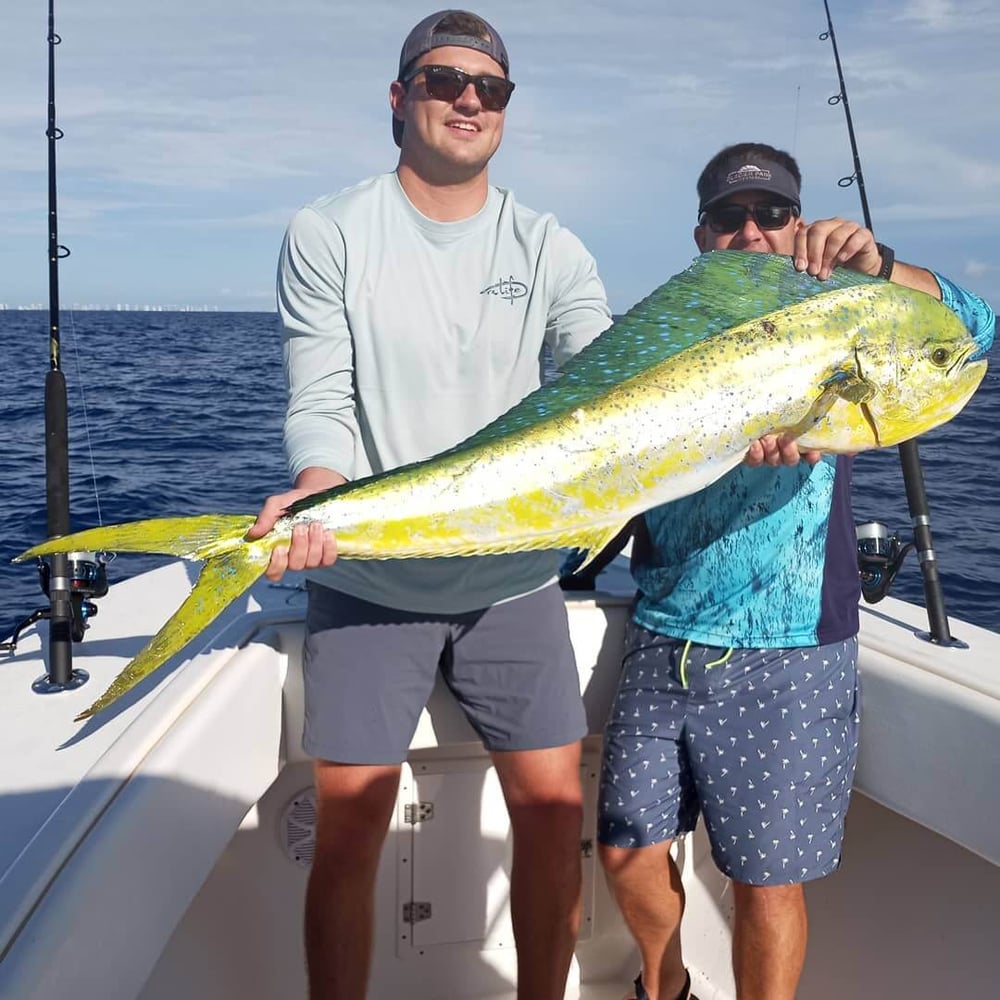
x,y
935,14
194,129
948,15
979,268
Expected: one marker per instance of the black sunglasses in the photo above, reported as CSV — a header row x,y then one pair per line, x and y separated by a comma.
x,y
446,83
730,218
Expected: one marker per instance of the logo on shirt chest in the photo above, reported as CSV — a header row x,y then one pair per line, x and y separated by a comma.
x,y
507,288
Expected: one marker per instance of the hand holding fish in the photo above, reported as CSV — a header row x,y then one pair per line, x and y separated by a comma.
x,y
827,243
310,545
778,449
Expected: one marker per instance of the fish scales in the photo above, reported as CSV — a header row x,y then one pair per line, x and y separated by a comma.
x,y
659,435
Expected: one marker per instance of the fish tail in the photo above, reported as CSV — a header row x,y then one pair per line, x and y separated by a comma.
x,y
222,579
197,537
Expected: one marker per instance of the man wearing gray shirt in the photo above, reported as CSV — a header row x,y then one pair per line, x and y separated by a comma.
x,y
415,307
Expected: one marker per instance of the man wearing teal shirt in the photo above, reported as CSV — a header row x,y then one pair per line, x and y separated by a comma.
x,y
738,693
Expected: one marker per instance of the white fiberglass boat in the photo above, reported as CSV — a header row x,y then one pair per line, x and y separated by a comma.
x,y
161,850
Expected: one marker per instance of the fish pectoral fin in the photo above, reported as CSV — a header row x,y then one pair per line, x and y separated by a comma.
x,y
819,409
853,387
222,579
845,385
850,387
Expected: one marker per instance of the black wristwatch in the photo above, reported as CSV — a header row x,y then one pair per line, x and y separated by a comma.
x,y
888,260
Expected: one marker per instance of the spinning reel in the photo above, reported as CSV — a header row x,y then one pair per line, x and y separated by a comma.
x,y
87,578
880,556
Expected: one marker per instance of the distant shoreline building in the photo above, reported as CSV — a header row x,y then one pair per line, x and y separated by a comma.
x,y
123,307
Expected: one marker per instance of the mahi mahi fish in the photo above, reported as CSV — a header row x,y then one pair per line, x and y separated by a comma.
x,y
662,404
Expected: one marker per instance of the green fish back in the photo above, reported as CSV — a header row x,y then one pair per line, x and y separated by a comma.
x,y
719,290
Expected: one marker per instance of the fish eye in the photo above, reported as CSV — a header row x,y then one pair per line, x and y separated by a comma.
x,y
940,356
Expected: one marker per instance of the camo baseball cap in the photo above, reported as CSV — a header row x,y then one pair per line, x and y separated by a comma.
x,y
425,37
743,172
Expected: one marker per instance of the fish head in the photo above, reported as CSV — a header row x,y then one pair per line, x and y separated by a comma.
x,y
912,366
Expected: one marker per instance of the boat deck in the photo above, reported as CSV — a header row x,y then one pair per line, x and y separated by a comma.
x,y
146,853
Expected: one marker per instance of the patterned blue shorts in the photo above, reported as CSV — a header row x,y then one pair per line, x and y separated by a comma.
x,y
762,742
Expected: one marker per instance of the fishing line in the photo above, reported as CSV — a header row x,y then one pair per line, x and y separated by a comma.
x,y
795,120
86,420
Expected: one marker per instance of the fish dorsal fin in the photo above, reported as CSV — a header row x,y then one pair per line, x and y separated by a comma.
x,y
719,290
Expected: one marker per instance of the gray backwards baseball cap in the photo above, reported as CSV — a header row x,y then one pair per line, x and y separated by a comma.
x,y
743,172
425,37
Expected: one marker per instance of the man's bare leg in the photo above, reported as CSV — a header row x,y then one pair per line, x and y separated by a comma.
x,y
544,799
647,887
354,806
769,940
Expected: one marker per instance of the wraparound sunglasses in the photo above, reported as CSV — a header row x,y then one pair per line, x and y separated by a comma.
x,y
446,83
730,218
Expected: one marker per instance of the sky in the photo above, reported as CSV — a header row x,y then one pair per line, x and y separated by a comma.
x,y
194,129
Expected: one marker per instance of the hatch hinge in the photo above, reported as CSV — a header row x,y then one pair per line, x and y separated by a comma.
x,y
418,812
413,913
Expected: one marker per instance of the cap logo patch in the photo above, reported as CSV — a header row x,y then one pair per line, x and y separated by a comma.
x,y
748,172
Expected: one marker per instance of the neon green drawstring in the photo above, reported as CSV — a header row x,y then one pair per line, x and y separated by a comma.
x,y
683,670
708,666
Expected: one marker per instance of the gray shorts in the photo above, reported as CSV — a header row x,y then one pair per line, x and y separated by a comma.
x,y
369,671
763,745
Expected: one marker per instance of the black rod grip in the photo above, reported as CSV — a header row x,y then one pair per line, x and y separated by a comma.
x,y
916,499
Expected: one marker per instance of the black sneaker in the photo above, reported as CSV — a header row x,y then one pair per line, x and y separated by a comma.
x,y
641,994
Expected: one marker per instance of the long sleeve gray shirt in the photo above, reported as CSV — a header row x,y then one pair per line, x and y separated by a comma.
x,y
403,336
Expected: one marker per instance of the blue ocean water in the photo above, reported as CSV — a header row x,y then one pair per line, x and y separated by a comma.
x,y
181,412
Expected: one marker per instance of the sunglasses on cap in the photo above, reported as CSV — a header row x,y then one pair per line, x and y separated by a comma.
x,y
446,83
730,218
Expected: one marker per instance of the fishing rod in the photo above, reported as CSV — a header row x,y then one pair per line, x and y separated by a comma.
x,y
69,580
881,555
60,661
